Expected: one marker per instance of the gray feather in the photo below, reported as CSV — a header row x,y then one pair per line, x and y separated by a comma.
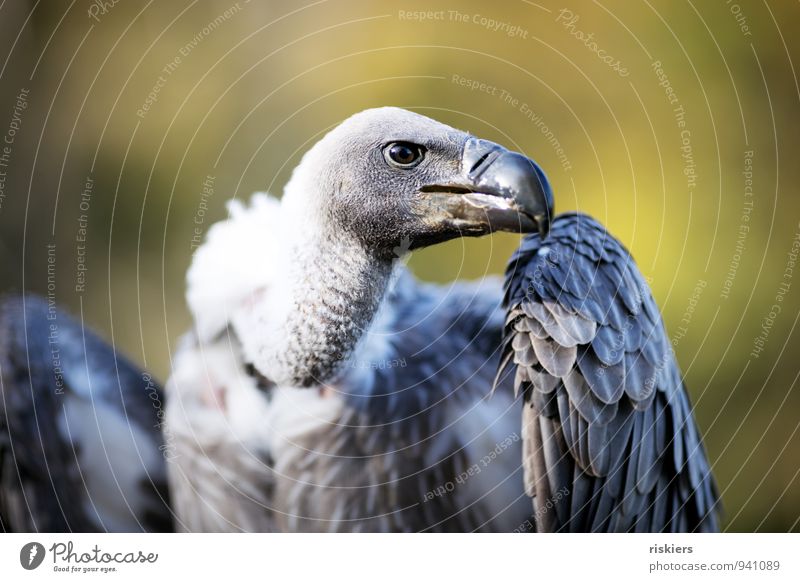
x,y
556,359
607,382
622,411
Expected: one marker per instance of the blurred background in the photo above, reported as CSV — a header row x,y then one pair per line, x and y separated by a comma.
x,y
126,126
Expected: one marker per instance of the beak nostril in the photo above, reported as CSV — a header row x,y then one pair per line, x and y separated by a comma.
x,y
508,187
483,162
477,155
479,162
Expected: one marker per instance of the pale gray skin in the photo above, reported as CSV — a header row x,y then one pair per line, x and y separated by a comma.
x,y
349,210
299,421
356,192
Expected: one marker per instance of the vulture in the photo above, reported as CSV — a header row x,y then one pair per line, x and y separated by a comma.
x,y
323,388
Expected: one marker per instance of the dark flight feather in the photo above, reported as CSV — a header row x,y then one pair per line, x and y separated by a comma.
x,y
71,408
631,458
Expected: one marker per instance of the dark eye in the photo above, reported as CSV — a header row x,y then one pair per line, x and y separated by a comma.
x,y
404,154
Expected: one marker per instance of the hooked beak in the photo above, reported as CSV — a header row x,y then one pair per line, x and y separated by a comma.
x,y
497,190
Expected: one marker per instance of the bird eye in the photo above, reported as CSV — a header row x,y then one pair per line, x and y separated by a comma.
x,y
404,154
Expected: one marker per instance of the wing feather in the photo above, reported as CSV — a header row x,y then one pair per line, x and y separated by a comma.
x,y
617,434
80,445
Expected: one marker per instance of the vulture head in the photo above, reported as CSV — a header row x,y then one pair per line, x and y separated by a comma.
x,y
303,279
388,177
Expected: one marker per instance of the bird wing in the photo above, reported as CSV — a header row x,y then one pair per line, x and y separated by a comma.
x,y
457,451
609,442
79,429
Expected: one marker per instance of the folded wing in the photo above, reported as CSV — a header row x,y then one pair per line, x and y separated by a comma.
x,y
610,443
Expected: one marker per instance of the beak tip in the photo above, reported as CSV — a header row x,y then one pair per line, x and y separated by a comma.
x,y
494,170
543,223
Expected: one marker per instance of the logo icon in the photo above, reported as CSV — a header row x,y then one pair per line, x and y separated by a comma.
x,y
31,555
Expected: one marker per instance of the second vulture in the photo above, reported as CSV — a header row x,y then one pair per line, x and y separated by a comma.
x,y
324,389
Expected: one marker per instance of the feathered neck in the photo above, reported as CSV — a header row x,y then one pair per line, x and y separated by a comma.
x,y
302,329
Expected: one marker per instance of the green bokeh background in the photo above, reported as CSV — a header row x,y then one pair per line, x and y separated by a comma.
x,y
265,81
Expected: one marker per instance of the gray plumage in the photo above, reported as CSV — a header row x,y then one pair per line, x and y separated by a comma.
x,y
398,443
621,442
324,389
79,438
